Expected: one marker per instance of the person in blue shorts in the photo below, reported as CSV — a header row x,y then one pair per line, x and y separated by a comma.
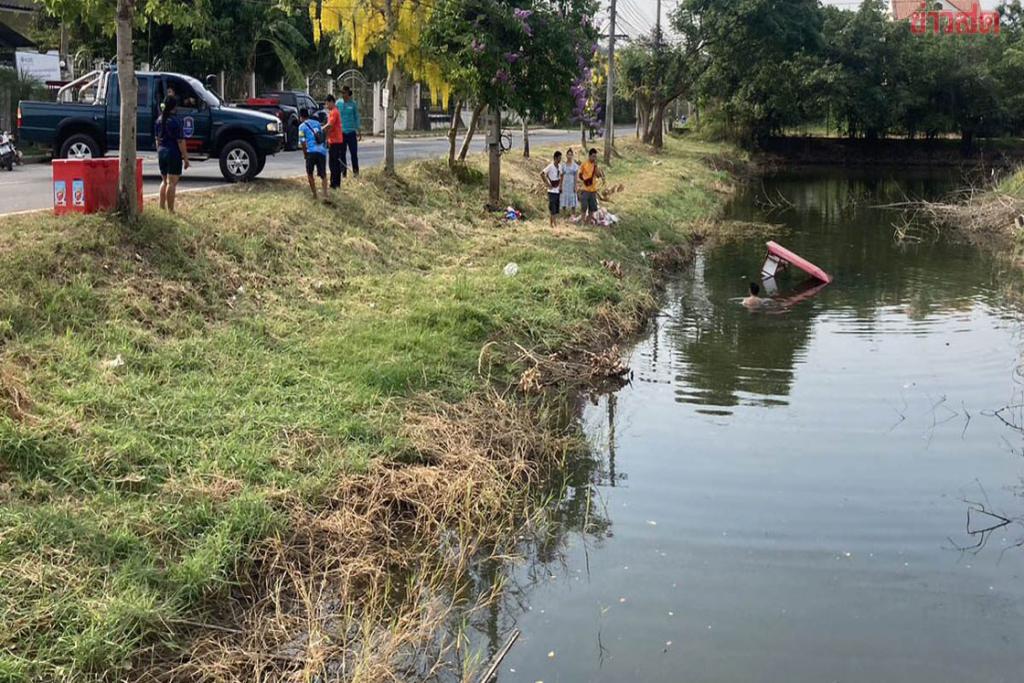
x,y
171,154
314,147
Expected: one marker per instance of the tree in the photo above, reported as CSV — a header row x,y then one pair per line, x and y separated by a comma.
x,y
654,75
127,188
394,26
510,57
757,54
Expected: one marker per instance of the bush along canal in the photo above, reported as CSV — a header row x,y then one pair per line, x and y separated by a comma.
x,y
828,489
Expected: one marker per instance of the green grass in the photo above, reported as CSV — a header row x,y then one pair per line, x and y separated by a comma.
x,y
271,346
1013,184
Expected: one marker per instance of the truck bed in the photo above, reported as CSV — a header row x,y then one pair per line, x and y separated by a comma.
x,y
40,120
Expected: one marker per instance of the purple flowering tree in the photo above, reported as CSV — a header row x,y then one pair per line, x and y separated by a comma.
x,y
519,56
587,94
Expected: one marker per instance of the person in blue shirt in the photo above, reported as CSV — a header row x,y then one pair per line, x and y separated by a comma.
x,y
171,153
313,142
350,129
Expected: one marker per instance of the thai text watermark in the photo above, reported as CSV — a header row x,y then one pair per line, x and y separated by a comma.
x,y
947,21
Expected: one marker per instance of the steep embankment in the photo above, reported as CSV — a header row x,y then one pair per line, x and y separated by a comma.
x,y
221,434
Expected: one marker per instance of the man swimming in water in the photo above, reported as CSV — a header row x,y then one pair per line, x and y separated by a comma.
x,y
754,300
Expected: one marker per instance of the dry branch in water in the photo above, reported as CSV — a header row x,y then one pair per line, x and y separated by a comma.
x,y
978,213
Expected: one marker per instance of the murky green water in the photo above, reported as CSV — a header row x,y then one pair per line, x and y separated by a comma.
x,y
780,496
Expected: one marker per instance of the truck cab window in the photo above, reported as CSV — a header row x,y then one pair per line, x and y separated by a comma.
x,y
185,94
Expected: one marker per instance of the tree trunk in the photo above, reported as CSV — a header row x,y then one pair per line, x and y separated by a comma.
x,y
127,190
494,158
583,140
609,107
453,131
389,123
644,121
657,126
474,120
526,137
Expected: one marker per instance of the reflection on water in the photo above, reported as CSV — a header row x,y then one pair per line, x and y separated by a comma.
x,y
783,495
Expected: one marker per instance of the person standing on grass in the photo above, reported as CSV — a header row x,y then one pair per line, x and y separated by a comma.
x,y
335,141
350,130
589,174
570,201
552,175
171,153
314,149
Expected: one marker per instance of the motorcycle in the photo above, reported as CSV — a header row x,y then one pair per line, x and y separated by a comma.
x,y
9,155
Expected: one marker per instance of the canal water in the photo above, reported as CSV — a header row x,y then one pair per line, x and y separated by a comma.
x,y
795,494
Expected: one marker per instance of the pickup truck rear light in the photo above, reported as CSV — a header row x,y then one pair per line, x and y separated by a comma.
x,y
19,116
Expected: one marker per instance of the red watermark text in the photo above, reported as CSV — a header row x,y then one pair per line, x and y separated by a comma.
x,y
946,21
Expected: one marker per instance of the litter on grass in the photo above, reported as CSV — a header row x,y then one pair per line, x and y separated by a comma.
x,y
604,218
511,269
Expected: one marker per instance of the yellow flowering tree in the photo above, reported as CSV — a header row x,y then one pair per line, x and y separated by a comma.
x,y
394,26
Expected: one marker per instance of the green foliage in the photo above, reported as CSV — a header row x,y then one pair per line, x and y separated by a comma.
x,y
521,56
22,87
856,71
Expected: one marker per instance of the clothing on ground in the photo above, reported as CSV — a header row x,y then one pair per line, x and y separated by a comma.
x,y
553,174
349,116
309,129
588,175
569,198
334,134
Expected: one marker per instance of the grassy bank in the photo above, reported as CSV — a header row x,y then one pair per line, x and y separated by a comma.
x,y
198,412
986,215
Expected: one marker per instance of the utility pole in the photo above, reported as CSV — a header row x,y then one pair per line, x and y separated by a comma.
x,y
657,26
609,106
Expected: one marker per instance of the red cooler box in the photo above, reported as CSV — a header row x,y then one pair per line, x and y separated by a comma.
x,y
88,185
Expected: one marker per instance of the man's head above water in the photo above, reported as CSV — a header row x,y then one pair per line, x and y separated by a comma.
x,y
755,289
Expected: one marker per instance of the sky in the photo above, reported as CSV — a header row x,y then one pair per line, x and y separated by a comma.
x,y
636,17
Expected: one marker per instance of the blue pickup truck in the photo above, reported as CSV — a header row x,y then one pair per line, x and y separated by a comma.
x,y
85,122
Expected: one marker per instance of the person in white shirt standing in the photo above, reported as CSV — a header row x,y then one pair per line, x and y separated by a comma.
x,y
552,175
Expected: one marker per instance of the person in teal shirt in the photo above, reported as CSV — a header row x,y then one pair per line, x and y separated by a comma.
x,y
350,127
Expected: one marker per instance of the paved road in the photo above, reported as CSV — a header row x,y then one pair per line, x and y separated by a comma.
x,y
29,188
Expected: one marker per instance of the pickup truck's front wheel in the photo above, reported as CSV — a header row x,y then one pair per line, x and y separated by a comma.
x,y
80,146
238,161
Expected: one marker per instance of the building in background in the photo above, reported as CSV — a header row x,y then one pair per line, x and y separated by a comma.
x,y
902,9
